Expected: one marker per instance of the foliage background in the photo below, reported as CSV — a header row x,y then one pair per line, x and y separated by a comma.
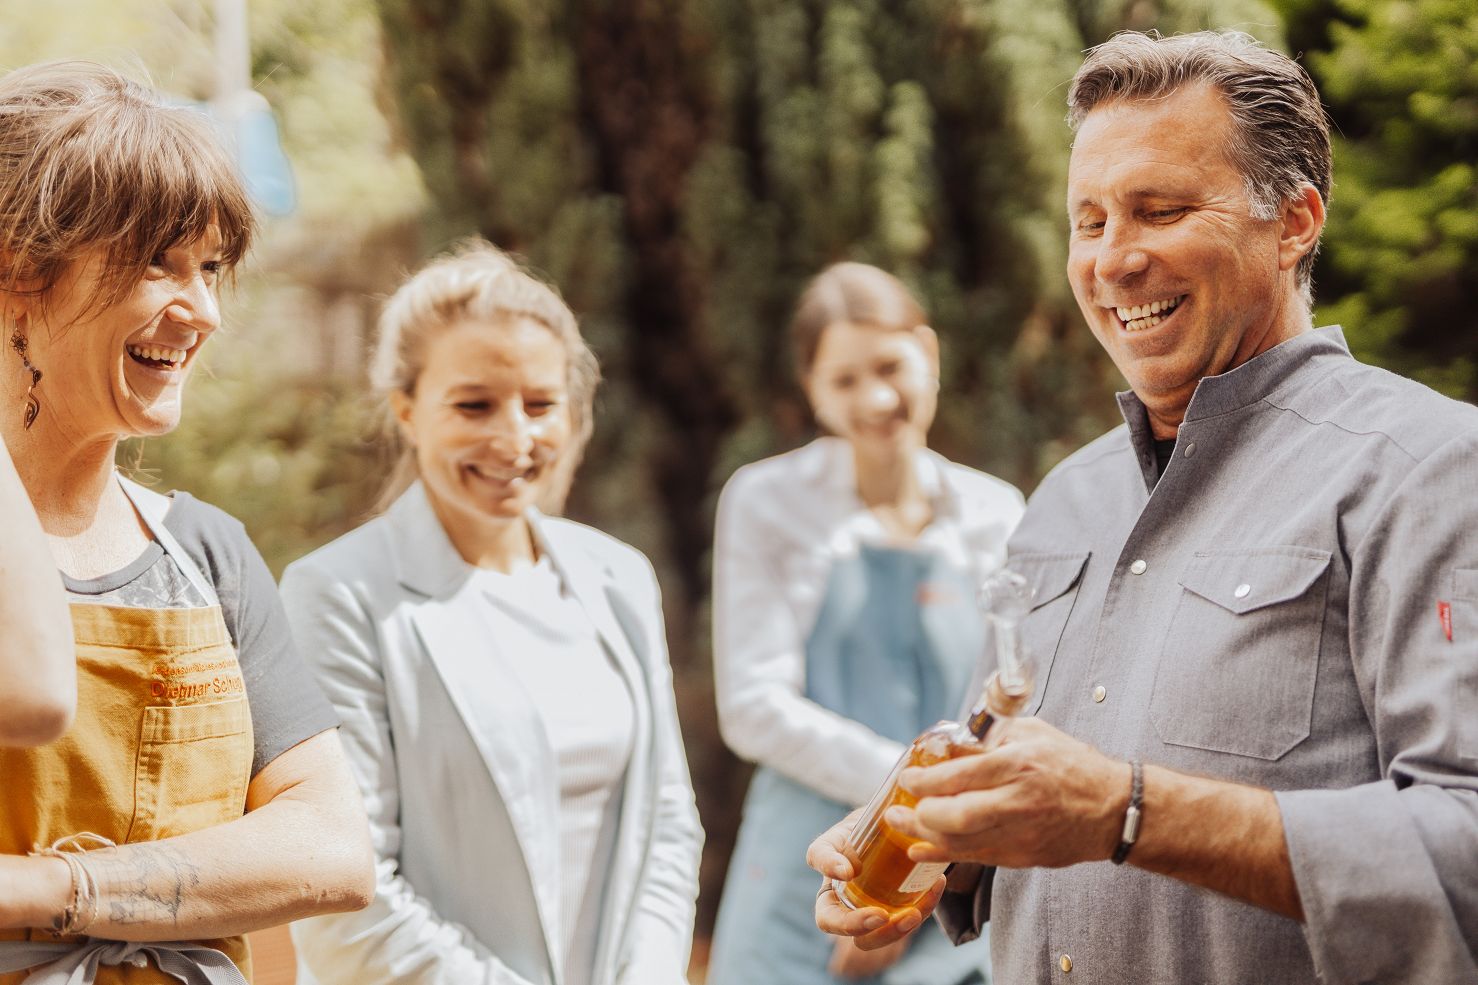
x,y
680,167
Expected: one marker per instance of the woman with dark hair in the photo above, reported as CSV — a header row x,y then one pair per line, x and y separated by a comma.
x,y
201,792
501,673
845,623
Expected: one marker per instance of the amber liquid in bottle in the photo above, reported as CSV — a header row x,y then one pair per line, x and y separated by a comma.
x,y
886,877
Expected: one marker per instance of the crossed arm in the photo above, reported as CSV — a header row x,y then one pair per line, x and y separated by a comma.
x,y
302,848
37,661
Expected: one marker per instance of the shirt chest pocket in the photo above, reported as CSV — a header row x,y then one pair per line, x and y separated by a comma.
x,y
1238,668
1054,581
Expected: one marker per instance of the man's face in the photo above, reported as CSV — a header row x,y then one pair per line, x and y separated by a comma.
x,y
1174,276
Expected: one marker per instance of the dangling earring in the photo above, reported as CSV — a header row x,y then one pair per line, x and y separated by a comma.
x,y
33,406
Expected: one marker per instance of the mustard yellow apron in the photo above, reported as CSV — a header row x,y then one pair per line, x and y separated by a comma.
x,y
161,746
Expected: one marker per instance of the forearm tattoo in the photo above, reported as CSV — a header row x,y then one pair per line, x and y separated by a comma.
x,y
148,885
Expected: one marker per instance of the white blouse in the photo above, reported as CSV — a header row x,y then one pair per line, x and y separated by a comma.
x,y
588,717
782,524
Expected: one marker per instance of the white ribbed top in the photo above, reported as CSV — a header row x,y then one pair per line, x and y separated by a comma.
x,y
589,719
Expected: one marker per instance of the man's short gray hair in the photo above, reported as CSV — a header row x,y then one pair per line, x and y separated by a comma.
x,y
1281,138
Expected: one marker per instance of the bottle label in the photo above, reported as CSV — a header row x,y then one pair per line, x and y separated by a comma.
x,y
922,877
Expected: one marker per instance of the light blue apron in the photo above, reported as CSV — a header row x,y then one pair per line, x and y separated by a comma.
x,y
896,643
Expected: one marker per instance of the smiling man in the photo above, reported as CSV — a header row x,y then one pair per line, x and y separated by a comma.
x,y
1255,621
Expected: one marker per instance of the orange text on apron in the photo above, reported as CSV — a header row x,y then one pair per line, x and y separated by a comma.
x,y
161,745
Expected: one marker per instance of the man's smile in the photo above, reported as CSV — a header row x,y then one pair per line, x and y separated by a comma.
x,y
1140,317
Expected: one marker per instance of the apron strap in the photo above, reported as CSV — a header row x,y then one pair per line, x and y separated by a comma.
x,y
153,507
78,964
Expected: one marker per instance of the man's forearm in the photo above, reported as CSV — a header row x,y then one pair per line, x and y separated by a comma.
x,y
1043,798
1220,836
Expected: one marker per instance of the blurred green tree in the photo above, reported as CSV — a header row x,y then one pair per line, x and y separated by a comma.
x,y
1401,249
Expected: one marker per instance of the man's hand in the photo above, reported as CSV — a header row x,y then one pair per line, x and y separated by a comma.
x,y
870,927
1035,797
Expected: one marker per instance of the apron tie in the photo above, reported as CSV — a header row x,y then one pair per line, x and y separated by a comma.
x,y
78,963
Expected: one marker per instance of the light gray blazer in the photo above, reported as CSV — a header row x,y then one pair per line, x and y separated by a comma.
x,y
459,778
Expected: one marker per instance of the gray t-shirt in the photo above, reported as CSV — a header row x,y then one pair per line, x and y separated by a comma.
x,y
286,704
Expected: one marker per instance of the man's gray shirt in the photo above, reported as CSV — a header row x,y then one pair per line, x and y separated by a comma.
x,y
1293,605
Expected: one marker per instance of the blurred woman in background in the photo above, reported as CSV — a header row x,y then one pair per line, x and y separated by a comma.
x,y
38,666
201,748
845,623
502,674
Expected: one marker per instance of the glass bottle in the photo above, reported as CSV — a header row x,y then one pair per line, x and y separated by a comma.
x,y
886,877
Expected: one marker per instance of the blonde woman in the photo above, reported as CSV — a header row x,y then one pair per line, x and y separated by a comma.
x,y
844,624
501,673
201,748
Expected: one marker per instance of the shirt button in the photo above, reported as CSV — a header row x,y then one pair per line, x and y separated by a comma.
x,y
1138,567
1099,693
1065,963
1242,590
1190,449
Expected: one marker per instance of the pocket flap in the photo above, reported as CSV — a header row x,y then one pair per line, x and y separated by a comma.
x,y
186,723
1245,581
1049,575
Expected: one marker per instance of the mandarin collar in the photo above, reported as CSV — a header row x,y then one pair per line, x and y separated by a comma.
x,y
1301,358
1250,382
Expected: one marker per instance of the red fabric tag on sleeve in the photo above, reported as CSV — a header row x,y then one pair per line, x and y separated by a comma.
x,y
1444,616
